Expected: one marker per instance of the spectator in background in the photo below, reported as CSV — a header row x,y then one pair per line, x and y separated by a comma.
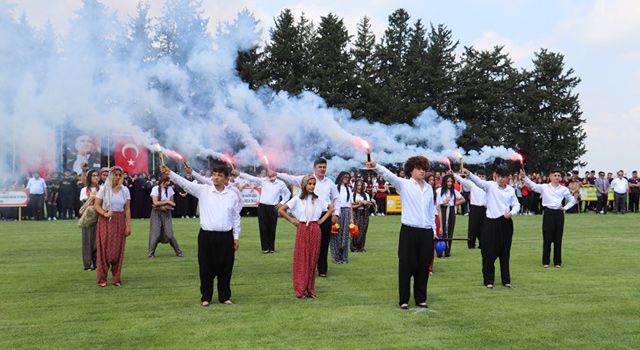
x,y
620,187
574,187
37,189
53,188
634,192
68,196
380,195
602,192
362,206
610,178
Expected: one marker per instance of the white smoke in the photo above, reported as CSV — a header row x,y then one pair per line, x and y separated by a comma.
x,y
97,81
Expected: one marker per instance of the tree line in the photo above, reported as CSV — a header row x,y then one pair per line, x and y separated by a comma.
x,y
413,66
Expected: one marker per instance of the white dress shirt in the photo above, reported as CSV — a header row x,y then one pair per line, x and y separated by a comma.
x,y
231,187
165,195
418,209
478,196
499,200
305,210
442,200
36,186
218,209
325,188
272,192
620,186
552,196
345,198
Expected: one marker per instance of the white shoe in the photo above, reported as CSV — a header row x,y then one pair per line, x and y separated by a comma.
x,y
49,219
55,219
382,214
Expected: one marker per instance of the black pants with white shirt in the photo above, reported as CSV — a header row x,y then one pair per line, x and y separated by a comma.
x,y
552,230
216,255
36,202
267,222
325,238
415,251
477,215
496,243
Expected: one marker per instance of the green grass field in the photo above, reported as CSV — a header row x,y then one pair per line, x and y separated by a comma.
x,y
48,301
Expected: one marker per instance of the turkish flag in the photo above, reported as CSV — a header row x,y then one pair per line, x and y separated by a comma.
x,y
129,155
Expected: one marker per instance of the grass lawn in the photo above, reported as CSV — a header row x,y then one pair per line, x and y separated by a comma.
x,y
593,302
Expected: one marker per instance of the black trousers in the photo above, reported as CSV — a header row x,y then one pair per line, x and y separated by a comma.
x,y
601,206
496,243
415,251
620,202
267,222
448,226
36,202
215,259
477,214
325,230
634,200
552,230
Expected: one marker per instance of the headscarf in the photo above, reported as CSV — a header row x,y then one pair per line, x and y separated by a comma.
x,y
108,190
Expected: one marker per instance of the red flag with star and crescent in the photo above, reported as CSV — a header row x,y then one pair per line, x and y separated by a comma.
x,y
131,156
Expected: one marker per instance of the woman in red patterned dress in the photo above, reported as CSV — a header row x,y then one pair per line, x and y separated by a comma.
x,y
306,210
114,225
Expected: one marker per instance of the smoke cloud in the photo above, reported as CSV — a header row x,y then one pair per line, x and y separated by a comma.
x,y
107,77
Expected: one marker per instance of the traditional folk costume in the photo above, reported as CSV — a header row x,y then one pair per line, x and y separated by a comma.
x,y
161,223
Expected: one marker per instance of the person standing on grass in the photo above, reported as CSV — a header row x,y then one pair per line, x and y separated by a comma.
x,y
634,192
448,199
161,223
431,180
340,241
88,193
37,189
502,205
381,190
415,247
362,208
112,203
620,187
327,191
477,209
553,194
273,194
219,231
307,214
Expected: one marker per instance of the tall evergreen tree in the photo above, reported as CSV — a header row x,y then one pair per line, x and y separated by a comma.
x,y
288,53
364,102
488,85
138,46
441,70
415,73
552,122
330,71
390,54
182,30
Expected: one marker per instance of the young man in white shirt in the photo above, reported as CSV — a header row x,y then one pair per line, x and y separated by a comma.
x,y
327,191
553,194
502,205
274,193
415,247
620,187
477,209
219,231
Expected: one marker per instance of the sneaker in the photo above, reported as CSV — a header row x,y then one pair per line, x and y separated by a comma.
x,y
54,219
49,219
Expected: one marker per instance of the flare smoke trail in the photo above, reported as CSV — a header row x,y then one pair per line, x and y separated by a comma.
x,y
108,77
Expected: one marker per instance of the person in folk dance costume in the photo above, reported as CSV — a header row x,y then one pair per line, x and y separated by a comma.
x,y
219,235
502,205
340,241
448,198
553,214
327,191
477,209
274,193
112,203
415,246
363,206
161,222
88,193
308,212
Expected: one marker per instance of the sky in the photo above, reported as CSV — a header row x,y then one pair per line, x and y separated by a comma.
x,y
600,40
